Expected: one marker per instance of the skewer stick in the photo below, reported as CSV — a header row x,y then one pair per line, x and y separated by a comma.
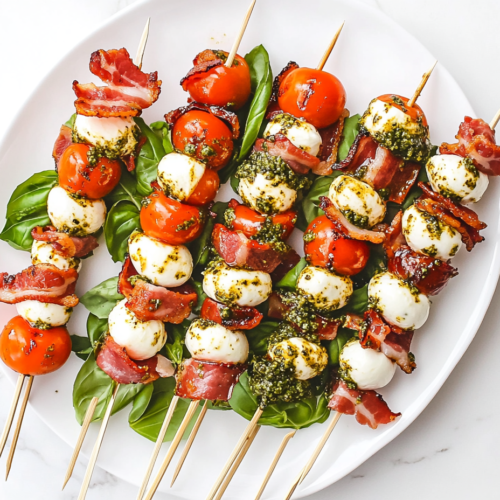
x,y
19,423
189,442
97,446
493,124
326,55
234,455
12,412
237,41
83,432
421,86
274,463
159,442
142,45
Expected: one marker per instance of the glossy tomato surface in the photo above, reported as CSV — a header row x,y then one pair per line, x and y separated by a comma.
x,y
206,189
312,94
31,351
400,102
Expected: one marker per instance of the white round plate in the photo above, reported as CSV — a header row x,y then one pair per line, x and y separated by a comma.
x,y
373,56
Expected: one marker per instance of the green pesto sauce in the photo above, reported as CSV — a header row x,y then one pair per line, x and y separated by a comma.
x,y
134,279
356,219
272,234
300,312
186,224
309,236
229,217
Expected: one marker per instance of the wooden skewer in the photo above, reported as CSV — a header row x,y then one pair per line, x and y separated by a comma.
x,y
97,446
12,412
173,447
189,442
19,423
142,45
421,86
159,442
237,41
326,55
81,438
274,463
493,124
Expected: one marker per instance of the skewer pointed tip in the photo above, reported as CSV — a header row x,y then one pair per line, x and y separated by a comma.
x,y
142,45
328,51
425,78
239,36
12,412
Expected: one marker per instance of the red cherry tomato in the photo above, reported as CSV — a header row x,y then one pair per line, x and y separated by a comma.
x,y
77,176
414,112
326,248
169,220
312,94
31,351
203,135
221,86
206,190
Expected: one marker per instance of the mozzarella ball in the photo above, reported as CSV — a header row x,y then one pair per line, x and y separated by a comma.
x,y
267,196
117,136
209,341
43,316
397,303
141,339
325,290
43,252
179,174
301,134
233,286
456,177
74,215
428,235
163,264
308,359
358,201
367,368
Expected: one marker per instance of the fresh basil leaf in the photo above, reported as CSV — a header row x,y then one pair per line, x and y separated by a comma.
x,y
126,190
258,336
358,303
349,133
198,286
229,170
71,122
121,222
164,131
175,341
81,346
141,403
235,183
102,298
290,279
96,329
336,345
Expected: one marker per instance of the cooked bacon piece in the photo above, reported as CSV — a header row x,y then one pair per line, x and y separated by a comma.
x,y
64,139
125,287
288,262
273,107
234,318
237,250
402,181
382,168
128,92
43,282
63,244
129,160
203,62
476,140
344,227
204,380
368,407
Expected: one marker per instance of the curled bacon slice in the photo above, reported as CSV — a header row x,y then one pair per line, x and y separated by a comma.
x,y
128,92
368,407
43,282
64,139
204,380
234,318
203,62
273,107
69,246
288,262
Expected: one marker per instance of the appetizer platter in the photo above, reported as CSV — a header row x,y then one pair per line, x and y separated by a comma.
x,y
273,234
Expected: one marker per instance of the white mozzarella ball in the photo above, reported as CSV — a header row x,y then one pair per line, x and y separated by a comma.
x,y
41,315
358,201
163,264
427,235
456,177
141,339
267,196
325,290
179,174
397,302
233,286
118,136
301,134
367,368
308,359
209,341
74,215
43,252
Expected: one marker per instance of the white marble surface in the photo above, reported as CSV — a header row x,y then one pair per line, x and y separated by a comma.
x,y
451,451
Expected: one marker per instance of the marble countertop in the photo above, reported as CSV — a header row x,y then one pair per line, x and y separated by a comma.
x,y
451,451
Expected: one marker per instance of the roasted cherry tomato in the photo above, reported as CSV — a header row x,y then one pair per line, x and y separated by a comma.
x,y
400,102
77,176
234,318
173,222
221,86
312,94
206,189
324,247
31,351
203,135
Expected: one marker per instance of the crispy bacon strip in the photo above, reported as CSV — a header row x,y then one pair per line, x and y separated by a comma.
x,y
203,62
234,318
64,139
288,262
43,282
63,244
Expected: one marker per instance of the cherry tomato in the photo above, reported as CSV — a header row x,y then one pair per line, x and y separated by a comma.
x,y
414,112
205,190
312,94
169,220
31,351
77,176
221,86
203,135
326,248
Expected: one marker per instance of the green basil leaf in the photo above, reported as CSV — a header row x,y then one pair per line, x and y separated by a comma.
x,y
164,131
336,345
141,403
351,129
71,122
198,286
358,303
258,336
121,222
81,346
96,329
102,298
175,341
290,279
229,170
126,190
